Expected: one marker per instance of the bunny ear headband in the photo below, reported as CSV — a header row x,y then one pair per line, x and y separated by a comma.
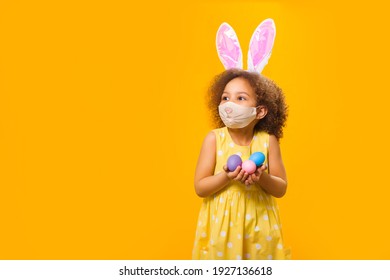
x,y
260,46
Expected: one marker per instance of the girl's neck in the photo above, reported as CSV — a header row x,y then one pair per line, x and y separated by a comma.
x,y
241,136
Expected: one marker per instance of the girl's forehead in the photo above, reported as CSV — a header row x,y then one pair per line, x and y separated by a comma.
x,y
239,84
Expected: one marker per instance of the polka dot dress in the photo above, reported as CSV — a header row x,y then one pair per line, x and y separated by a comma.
x,y
239,222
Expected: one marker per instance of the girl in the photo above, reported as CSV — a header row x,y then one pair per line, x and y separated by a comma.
x,y
239,216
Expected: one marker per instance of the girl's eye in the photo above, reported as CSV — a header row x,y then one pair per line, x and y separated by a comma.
x,y
241,98
225,98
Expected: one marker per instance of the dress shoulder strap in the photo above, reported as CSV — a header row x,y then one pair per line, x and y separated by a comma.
x,y
220,136
261,144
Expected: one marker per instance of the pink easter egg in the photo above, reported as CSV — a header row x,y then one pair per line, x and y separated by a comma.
x,y
249,166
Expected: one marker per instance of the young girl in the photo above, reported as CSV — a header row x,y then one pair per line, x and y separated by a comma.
x,y
239,216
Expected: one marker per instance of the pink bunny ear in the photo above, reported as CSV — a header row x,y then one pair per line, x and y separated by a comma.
x,y
228,47
260,46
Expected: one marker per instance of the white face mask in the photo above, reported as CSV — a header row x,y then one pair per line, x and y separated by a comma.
x,y
236,116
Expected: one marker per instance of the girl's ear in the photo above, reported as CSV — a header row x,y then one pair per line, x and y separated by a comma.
x,y
228,47
261,45
261,112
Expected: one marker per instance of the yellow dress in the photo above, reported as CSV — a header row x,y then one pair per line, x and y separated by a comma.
x,y
239,222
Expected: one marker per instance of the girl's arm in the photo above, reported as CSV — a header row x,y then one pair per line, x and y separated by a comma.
x,y
275,181
206,183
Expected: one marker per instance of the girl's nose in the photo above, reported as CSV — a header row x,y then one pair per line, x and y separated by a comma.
x,y
228,110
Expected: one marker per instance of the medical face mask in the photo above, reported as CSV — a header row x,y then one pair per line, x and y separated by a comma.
x,y
236,116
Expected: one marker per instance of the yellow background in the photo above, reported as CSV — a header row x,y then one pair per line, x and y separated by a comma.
x,y
102,115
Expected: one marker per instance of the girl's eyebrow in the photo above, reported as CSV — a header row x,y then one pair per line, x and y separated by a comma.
x,y
237,92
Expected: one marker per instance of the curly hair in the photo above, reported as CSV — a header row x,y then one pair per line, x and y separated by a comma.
x,y
268,95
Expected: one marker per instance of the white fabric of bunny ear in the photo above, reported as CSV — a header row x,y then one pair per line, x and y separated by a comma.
x,y
261,44
228,47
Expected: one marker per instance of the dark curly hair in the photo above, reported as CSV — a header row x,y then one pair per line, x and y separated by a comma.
x,y
268,95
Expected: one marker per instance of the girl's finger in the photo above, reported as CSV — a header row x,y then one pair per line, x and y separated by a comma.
x,y
245,177
254,178
240,175
236,172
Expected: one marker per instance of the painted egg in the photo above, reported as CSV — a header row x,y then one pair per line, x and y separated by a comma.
x,y
257,158
233,162
249,166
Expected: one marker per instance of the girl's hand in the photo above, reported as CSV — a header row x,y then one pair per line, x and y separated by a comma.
x,y
255,177
237,175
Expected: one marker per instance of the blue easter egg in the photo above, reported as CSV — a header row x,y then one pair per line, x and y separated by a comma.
x,y
233,162
257,158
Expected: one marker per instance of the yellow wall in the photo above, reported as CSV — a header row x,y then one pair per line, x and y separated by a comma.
x,y
102,116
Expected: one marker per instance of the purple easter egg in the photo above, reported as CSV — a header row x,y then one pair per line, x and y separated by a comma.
x,y
249,166
233,162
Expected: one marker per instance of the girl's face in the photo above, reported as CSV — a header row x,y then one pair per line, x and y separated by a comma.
x,y
240,92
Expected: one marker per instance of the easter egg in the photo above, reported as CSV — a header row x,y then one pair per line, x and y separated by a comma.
x,y
233,162
257,158
249,166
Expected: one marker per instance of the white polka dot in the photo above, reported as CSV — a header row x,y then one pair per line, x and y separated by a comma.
x,y
280,246
269,238
238,257
258,246
265,217
220,153
223,233
231,204
255,137
213,217
239,236
203,234
231,224
276,227
204,252
226,212
269,257
216,220
222,134
239,215
231,144
239,154
257,228
221,200
247,256
211,242
219,254
199,223
247,236
248,216
265,145
230,245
